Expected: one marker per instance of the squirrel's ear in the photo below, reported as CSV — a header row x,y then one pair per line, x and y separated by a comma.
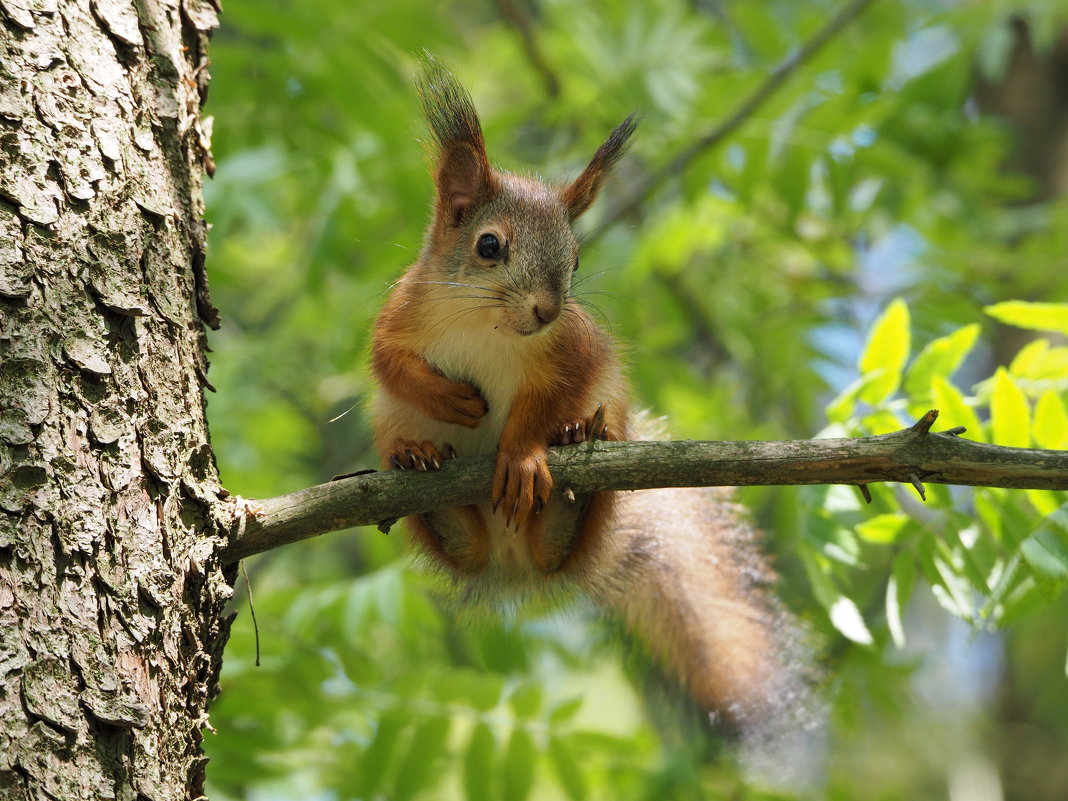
x,y
580,195
463,175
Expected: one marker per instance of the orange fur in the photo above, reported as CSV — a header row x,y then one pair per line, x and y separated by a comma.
x,y
481,347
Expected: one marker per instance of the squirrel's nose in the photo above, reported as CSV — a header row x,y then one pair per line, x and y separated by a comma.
x,y
546,312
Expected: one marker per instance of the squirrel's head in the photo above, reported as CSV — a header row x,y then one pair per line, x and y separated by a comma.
x,y
502,241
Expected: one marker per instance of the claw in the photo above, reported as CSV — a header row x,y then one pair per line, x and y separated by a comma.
x,y
597,421
396,462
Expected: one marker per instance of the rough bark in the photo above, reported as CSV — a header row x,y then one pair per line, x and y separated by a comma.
x,y
111,603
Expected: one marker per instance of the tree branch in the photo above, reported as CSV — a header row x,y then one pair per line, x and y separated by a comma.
x,y
913,455
775,80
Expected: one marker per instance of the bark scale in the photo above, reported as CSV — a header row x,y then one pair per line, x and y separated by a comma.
x,y
111,598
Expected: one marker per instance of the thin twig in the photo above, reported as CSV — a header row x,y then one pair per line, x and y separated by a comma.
x,y
775,80
525,30
252,611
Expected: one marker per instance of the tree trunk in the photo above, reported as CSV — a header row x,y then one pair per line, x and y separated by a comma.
x,y
111,598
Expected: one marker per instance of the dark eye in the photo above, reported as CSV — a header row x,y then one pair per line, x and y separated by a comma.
x,y
488,246
575,268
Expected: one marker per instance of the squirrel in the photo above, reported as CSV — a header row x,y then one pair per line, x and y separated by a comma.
x,y
481,348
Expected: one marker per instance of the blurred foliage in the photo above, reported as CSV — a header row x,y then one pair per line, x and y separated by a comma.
x,y
857,252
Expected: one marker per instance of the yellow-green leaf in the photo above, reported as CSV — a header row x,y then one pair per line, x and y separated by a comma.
x,y
1050,424
1033,316
954,410
882,528
1010,414
882,422
1028,362
942,357
1044,501
885,353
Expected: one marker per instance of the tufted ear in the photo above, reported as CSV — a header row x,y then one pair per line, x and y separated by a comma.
x,y
580,195
462,174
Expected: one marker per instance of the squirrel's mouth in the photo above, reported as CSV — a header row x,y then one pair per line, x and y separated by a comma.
x,y
530,331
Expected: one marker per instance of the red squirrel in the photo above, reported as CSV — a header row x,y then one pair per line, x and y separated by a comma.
x,y
481,348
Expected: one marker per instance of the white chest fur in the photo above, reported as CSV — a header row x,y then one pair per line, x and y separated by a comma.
x,y
490,360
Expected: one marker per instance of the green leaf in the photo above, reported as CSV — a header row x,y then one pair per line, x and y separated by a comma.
x,y
519,766
942,357
885,353
1010,414
526,700
567,769
565,710
792,179
426,747
378,756
1032,316
1047,549
480,689
1049,426
882,529
954,410
478,763
898,592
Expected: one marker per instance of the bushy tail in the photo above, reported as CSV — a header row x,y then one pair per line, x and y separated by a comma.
x,y
685,574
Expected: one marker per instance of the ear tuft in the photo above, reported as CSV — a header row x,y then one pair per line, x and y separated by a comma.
x,y
463,175
580,195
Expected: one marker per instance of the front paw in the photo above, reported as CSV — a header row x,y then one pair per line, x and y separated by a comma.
x,y
408,454
458,403
593,427
521,484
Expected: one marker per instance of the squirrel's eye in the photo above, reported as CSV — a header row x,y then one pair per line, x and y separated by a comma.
x,y
488,246
575,268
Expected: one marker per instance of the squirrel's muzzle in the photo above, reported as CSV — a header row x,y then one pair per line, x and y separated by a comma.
x,y
545,311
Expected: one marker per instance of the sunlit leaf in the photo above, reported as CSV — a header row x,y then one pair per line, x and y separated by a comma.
x,y
847,619
882,529
1050,423
1010,414
1028,362
954,411
885,353
1032,316
942,357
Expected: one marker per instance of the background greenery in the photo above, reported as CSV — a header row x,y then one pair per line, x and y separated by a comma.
x,y
827,267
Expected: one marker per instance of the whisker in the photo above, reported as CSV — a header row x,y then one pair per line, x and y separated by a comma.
x,y
572,315
600,312
448,283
